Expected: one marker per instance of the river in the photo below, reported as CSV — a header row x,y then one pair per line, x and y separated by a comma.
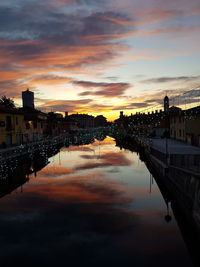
x,y
91,205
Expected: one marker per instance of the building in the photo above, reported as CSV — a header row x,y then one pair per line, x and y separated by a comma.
x,y
82,120
28,99
11,127
35,124
154,124
166,104
192,126
57,125
177,124
185,125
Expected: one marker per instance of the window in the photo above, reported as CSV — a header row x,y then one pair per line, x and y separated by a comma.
x,y
35,124
180,132
8,123
28,125
182,160
16,120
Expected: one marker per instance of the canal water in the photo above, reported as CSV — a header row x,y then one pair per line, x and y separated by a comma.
x,y
91,205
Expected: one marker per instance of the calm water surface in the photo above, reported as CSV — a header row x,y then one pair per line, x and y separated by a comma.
x,y
91,205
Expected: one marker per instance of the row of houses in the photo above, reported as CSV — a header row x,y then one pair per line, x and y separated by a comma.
x,y
27,124
172,122
18,126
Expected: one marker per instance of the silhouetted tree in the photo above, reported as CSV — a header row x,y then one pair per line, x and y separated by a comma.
x,y
7,102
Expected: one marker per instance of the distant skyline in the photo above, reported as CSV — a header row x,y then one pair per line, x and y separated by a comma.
x,y
100,57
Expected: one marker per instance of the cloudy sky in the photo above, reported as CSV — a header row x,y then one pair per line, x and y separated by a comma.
x,y
100,57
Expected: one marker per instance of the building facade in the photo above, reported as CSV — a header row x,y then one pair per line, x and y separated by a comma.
x,y
11,127
185,125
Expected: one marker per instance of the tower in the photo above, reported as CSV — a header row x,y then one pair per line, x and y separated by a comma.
x,y
166,104
28,99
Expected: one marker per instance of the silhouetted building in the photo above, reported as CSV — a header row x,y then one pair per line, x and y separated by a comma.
x,y
100,121
28,99
166,104
83,120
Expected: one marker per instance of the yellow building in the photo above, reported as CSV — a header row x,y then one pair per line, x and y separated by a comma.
x,y
185,125
11,127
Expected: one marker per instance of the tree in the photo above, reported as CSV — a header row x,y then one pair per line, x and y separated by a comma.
x,y
7,102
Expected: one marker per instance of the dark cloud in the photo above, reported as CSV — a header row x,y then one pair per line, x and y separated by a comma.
x,y
106,89
35,35
40,22
171,79
63,105
192,93
132,106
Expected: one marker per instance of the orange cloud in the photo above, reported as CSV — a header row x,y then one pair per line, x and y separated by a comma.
x,y
117,20
146,16
48,79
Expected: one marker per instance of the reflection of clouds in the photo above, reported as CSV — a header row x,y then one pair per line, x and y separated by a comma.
x,y
78,148
55,171
104,160
75,217
91,188
106,141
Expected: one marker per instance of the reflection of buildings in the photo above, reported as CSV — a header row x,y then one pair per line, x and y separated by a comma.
x,y
181,188
12,178
15,176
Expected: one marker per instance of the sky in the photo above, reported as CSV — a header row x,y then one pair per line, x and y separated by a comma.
x,y
100,57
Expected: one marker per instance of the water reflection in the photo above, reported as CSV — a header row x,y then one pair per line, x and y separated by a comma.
x,y
92,204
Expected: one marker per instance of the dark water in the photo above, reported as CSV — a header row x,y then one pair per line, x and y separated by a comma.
x,y
92,205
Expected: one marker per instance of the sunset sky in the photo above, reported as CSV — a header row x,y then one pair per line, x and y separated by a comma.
x,y
100,57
